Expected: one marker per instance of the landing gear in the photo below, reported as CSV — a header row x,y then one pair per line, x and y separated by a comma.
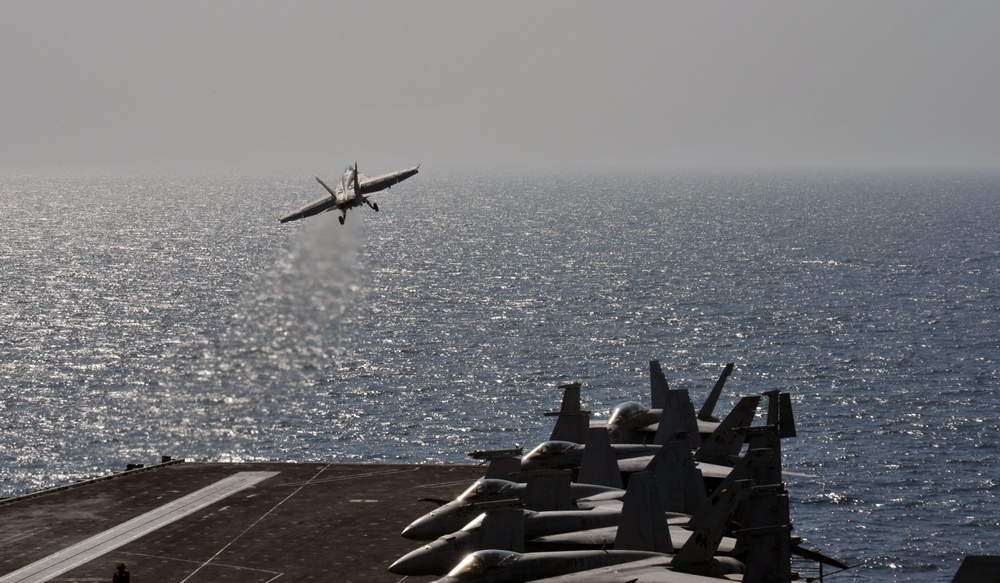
x,y
375,206
341,219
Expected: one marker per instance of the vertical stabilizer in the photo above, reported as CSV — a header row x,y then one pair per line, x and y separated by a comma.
x,y
978,569
787,419
702,545
779,412
657,385
643,525
571,398
757,462
503,529
708,408
571,422
765,538
503,468
503,463
681,485
765,437
548,490
678,417
599,465
725,442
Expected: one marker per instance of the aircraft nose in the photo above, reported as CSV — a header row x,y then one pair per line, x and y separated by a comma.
x,y
423,528
535,463
415,563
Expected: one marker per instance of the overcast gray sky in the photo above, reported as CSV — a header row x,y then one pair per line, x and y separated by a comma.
x,y
305,86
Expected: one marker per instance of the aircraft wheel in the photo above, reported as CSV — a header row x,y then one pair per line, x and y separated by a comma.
x,y
341,219
375,206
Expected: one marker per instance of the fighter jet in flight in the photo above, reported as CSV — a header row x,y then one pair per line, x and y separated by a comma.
x,y
353,190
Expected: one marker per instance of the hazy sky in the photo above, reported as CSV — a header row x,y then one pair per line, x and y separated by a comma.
x,y
309,86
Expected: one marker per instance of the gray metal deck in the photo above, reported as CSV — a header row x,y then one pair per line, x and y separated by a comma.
x,y
206,522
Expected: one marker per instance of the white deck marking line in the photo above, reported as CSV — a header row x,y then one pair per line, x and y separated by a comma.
x,y
193,562
262,517
353,476
109,540
453,483
25,534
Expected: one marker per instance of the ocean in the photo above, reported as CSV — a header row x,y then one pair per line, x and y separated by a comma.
x,y
143,316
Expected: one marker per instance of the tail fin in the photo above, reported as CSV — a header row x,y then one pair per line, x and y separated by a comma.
x,y
681,485
787,419
700,548
706,412
503,468
779,412
725,442
571,423
503,463
503,529
765,538
599,465
657,385
978,568
677,416
765,437
548,490
643,525
328,189
354,176
756,465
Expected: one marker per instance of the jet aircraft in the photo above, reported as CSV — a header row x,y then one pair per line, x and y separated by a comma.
x,y
632,422
764,538
542,491
439,556
646,537
353,190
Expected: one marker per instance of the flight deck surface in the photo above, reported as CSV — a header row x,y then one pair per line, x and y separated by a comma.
x,y
207,522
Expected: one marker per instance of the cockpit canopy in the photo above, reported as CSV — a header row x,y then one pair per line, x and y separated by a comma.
x,y
550,449
487,489
476,522
479,563
627,413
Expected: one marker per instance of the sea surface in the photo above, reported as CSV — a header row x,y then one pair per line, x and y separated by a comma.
x,y
149,316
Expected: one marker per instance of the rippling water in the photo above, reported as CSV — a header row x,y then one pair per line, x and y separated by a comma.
x,y
148,316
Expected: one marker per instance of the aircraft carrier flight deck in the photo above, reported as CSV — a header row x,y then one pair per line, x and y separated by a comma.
x,y
215,522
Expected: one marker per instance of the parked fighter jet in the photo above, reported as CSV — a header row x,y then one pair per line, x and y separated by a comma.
x,y
764,539
629,457
542,491
644,536
487,531
439,556
492,531
632,422
352,191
